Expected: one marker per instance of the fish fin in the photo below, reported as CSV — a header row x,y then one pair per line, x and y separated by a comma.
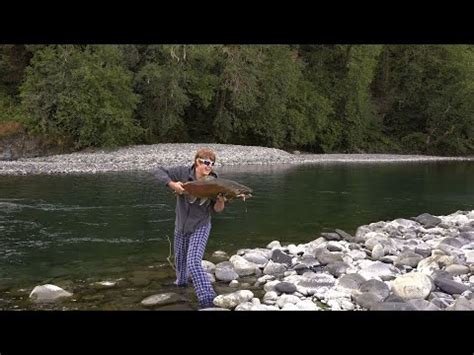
x,y
192,199
203,201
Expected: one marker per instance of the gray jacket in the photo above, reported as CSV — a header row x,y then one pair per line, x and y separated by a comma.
x,y
189,216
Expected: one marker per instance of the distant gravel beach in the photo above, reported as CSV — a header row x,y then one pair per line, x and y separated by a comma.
x,y
146,157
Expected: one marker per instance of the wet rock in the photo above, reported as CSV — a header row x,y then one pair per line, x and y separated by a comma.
x,y
219,254
427,220
344,235
161,299
48,293
331,236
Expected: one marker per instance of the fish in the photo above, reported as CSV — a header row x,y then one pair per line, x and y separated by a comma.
x,y
210,187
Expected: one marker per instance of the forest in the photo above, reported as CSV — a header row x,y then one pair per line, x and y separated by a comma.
x,y
340,98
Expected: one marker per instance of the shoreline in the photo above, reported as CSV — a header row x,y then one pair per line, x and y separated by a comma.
x,y
147,157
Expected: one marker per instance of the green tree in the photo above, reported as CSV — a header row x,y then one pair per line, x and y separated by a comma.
x,y
83,93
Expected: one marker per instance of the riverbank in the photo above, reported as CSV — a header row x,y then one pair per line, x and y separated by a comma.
x,y
146,157
424,263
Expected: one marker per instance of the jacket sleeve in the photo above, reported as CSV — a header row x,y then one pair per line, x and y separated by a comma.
x,y
165,175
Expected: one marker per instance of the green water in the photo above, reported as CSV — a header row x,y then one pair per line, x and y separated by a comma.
x,y
81,228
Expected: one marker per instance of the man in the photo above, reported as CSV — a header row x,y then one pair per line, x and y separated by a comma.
x,y
192,224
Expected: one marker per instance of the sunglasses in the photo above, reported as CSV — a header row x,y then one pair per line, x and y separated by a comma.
x,y
207,162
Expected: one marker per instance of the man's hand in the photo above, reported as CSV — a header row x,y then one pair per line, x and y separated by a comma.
x,y
221,198
220,203
176,186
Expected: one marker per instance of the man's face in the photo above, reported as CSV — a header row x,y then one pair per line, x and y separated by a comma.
x,y
204,166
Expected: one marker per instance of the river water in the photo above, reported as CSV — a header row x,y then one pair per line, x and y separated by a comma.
x,y
75,230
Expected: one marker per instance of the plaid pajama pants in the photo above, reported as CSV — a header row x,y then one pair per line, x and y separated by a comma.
x,y
189,251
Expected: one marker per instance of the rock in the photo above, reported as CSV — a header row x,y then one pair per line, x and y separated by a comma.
x,y
284,299
378,270
412,285
233,299
344,235
423,305
450,286
219,254
378,251
300,269
270,285
270,297
428,265
393,306
48,293
161,299
285,287
256,258
208,266
280,257
376,287
442,303
427,220
310,283
308,260
274,269
334,246
234,283
469,256
331,236
243,267
337,269
307,305
368,300
104,284
351,281
357,254
274,245
225,272
461,304
326,257
393,298
457,269
214,309
408,258
423,250
290,307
